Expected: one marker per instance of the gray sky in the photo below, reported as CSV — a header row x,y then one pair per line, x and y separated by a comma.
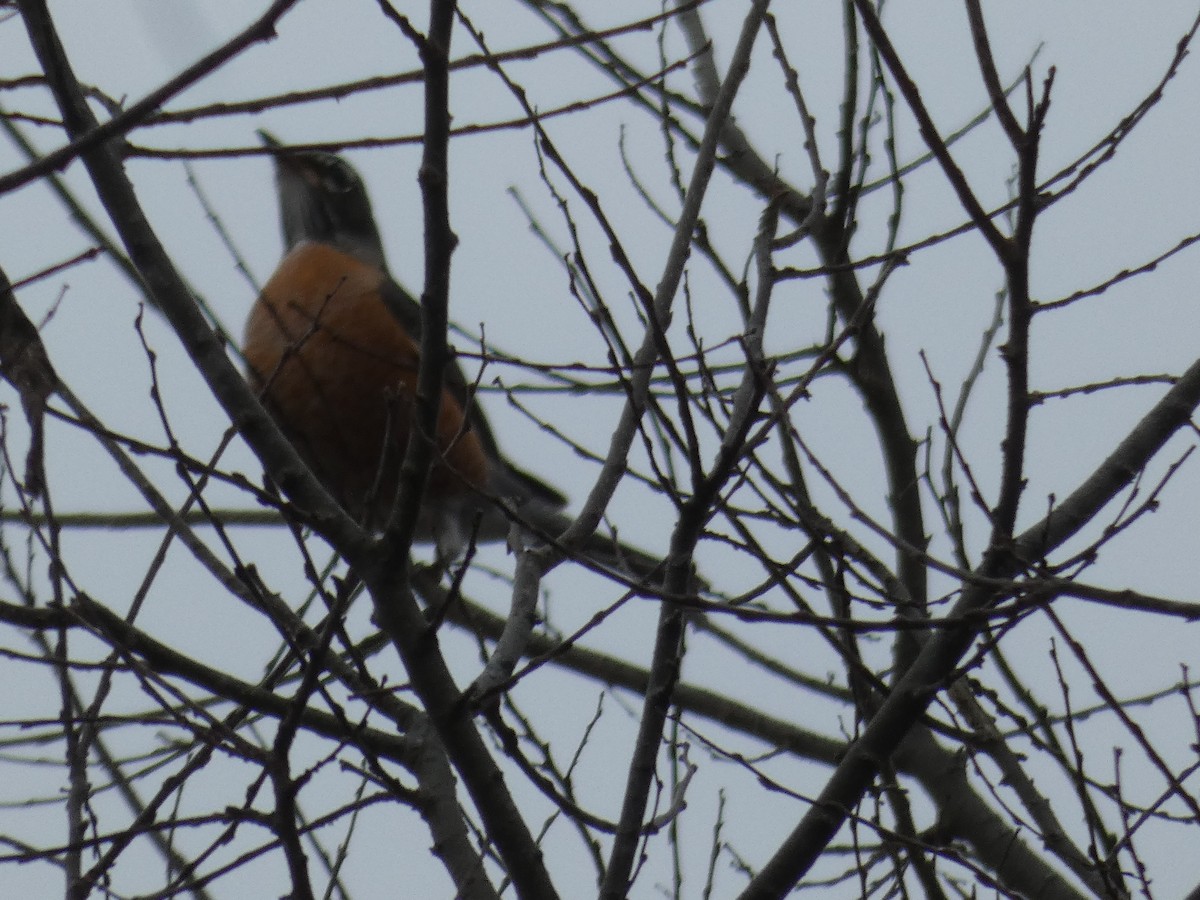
x,y
1107,56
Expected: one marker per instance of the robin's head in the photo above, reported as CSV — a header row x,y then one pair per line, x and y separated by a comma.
x,y
322,199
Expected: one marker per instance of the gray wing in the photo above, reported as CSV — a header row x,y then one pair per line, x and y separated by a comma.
x,y
508,479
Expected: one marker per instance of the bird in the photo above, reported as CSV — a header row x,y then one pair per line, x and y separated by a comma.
x,y
332,347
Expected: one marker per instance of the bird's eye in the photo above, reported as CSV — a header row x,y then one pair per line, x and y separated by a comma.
x,y
338,177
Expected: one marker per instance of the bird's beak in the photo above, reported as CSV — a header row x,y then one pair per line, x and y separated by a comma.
x,y
269,140
286,160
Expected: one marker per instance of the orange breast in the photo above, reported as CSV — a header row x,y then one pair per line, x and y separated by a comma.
x,y
339,374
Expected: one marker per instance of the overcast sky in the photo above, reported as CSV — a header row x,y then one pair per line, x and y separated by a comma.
x,y
1107,56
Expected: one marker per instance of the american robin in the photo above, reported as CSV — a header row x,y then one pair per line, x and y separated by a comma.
x,y
333,346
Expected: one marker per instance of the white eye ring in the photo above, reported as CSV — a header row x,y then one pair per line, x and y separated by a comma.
x,y
338,177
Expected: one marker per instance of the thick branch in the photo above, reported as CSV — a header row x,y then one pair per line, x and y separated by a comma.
x,y
942,653
171,294
664,671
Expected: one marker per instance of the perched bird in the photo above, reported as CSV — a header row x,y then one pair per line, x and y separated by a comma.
x,y
333,346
